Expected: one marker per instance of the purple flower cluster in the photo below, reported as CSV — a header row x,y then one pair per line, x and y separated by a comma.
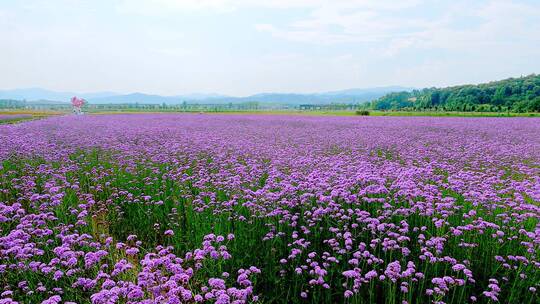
x,y
236,208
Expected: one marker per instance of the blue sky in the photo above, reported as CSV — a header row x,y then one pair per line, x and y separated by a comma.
x,y
242,47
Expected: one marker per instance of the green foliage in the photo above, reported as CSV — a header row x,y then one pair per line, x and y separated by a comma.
x,y
392,101
513,94
362,112
10,103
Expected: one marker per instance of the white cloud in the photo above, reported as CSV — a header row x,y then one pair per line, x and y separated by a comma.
x,y
298,45
300,35
370,21
350,21
373,22
220,6
157,7
503,25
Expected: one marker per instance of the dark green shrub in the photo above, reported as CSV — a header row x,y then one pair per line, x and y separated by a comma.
x,y
362,112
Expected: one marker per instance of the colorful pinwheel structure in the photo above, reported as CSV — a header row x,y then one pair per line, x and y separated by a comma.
x,y
77,104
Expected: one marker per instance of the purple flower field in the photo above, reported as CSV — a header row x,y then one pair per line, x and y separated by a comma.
x,y
171,208
8,117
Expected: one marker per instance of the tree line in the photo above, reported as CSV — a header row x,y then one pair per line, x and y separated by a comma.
x,y
513,94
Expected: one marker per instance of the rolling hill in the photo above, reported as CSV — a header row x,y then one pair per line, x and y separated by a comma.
x,y
344,96
513,94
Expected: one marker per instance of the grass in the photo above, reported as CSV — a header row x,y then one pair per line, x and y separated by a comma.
x,y
13,121
30,112
453,114
31,115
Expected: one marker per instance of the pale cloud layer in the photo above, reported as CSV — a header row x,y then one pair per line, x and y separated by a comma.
x,y
246,46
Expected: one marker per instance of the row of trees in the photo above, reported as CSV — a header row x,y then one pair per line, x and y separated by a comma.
x,y
177,107
22,104
513,94
13,104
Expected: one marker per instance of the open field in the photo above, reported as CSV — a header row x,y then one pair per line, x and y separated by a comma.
x,y
14,116
183,208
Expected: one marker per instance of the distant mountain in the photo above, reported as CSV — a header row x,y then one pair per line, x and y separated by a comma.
x,y
35,94
375,91
135,98
344,96
45,102
95,95
201,96
153,99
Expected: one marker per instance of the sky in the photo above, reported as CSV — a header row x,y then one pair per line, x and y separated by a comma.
x,y
243,47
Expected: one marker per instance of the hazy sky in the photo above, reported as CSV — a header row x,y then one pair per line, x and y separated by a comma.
x,y
241,47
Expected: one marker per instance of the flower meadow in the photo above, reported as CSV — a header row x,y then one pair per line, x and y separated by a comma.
x,y
179,208
9,117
